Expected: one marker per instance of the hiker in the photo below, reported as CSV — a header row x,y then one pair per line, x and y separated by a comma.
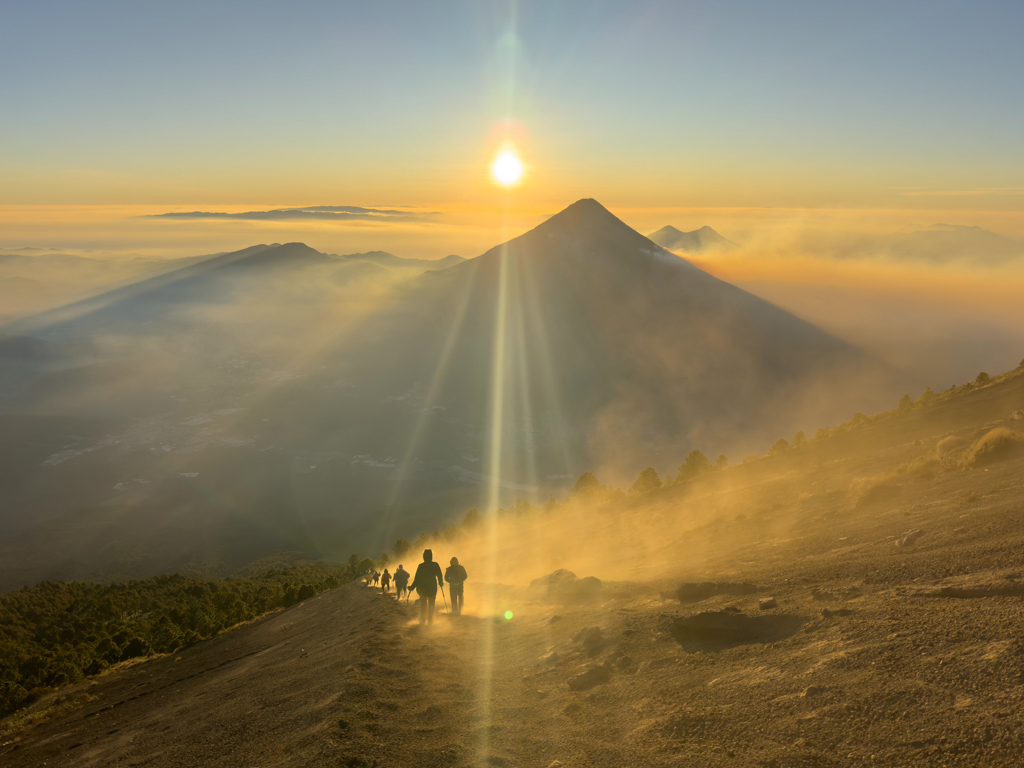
x,y
385,581
376,578
455,575
428,578
401,580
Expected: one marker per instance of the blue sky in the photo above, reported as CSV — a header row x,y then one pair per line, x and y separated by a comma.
x,y
745,103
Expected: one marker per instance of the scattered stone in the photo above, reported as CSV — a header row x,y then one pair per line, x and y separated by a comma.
x,y
624,662
827,614
767,604
555,764
664,661
565,588
909,538
596,675
591,639
552,658
553,619
813,690
825,596
694,592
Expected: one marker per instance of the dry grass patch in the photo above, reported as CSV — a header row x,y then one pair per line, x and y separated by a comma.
x,y
998,444
43,711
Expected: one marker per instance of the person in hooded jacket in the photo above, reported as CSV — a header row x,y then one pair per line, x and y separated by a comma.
x,y
456,576
426,581
401,578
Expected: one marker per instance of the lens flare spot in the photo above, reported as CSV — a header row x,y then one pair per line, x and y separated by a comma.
x,y
507,168
508,615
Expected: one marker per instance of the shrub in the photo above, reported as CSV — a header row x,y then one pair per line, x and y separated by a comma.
x,y
799,439
949,449
721,462
780,447
927,398
471,520
906,405
997,444
695,465
401,547
586,482
983,378
648,480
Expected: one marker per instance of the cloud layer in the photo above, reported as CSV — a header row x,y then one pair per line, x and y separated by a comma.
x,y
321,212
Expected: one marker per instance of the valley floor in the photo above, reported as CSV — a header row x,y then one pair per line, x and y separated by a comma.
x,y
917,660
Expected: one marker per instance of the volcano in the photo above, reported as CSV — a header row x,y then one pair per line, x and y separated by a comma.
x,y
280,413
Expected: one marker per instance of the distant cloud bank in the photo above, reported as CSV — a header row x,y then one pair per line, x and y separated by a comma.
x,y
321,212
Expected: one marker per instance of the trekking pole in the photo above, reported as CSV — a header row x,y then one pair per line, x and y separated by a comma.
x,y
444,598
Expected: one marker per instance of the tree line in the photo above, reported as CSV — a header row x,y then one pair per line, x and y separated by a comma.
x,y
57,633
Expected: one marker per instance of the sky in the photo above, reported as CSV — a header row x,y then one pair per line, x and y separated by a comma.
x,y
782,125
911,105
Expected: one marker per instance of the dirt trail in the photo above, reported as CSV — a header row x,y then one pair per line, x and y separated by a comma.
x,y
875,655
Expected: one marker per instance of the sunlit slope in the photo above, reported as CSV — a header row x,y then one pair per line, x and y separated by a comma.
x,y
295,400
876,477
874,653
607,351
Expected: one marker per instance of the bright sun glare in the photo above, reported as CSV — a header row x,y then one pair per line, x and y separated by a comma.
x,y
507,169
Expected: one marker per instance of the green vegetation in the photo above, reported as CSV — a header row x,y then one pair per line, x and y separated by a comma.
x,y
57,633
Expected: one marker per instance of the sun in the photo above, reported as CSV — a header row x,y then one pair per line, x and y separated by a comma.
x,y
507,168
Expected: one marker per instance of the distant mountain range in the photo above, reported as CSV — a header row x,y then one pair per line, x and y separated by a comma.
x,y
697,241
282,398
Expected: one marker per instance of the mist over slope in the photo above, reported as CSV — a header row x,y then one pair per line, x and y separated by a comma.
x,y
282,398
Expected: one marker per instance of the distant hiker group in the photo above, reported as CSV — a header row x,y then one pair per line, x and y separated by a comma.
x,y
426,582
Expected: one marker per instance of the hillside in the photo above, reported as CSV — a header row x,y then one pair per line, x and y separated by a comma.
x,y
279,398
697,241
884,648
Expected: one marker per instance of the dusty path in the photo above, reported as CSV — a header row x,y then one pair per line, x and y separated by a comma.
x,y
917,660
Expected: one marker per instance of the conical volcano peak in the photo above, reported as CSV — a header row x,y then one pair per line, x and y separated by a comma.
x,y
583,216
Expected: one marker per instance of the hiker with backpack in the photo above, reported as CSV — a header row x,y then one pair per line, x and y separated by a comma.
x,y
401,580
385,581
428,578
456,576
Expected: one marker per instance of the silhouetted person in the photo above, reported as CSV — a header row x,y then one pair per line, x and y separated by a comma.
x,y
401,580
376,578
428,578
456,575
385,581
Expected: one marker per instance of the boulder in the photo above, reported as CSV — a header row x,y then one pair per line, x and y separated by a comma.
x,y
591,639
598,675
566,588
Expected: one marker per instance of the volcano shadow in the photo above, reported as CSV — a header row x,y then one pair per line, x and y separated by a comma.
x,y
718,630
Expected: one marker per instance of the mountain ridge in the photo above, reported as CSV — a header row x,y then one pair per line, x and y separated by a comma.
x,y
696,241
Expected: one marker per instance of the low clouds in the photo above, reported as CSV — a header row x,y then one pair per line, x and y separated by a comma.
x,y
311,212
